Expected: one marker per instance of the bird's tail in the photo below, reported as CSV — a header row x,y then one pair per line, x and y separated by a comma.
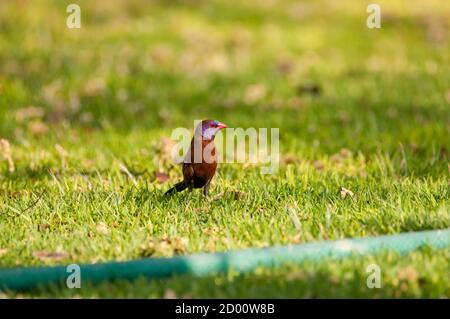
x,y
181,186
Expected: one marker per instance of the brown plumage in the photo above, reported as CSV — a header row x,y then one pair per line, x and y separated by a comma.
x,y
200,163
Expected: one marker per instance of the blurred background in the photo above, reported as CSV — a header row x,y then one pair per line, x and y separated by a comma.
x,y
312,68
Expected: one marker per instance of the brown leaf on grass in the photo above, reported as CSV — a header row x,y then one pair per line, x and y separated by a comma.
x,y
180,244
295,102
5,151
94,87
3,251
43,227
170,294
295,276
162,54
50,256
285,65
318,165
297,238
37,127
165,247
254,93
211,231
346,193
161,177
407,273
217,62
341,156
436,28
114,224
102,228
30,112
290,159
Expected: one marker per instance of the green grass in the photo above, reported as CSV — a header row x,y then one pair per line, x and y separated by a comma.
x,y
105,95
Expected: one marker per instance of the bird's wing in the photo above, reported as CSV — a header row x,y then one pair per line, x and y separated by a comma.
x,y
188,172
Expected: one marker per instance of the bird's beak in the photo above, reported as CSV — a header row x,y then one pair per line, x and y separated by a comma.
x,y
221,125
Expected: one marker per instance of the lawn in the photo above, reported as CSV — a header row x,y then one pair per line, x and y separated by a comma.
x,y
86,116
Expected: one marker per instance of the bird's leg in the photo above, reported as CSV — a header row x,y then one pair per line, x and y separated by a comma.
x,y
190,187
206,189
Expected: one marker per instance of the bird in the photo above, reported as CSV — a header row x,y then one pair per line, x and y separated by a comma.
x,y
200,162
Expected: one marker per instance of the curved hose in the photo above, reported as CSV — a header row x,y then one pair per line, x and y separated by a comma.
x,y
210,263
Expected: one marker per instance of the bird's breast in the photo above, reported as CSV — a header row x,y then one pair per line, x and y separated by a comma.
x,y
203,161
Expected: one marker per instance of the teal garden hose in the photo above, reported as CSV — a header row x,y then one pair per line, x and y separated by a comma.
x,y
209,263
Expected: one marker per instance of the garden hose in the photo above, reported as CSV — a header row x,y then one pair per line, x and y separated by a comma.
x,y
211,263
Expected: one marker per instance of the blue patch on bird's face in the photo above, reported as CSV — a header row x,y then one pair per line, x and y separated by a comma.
x,y
209,129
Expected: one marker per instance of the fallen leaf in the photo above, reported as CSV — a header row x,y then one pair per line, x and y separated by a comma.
x,y
290,159
161,177
165,247
408,273
295,102
30,112
211,231
435,28
254,93
102,228
216,63
341,156
285,65
297,238
180,244
43,227
50,256
94,87
346,192
318,165
37,127
170,294
295,276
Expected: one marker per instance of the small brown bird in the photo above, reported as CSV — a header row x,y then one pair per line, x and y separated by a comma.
x,y
200,162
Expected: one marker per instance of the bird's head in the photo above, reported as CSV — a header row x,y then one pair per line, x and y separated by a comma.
x,y
208,129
